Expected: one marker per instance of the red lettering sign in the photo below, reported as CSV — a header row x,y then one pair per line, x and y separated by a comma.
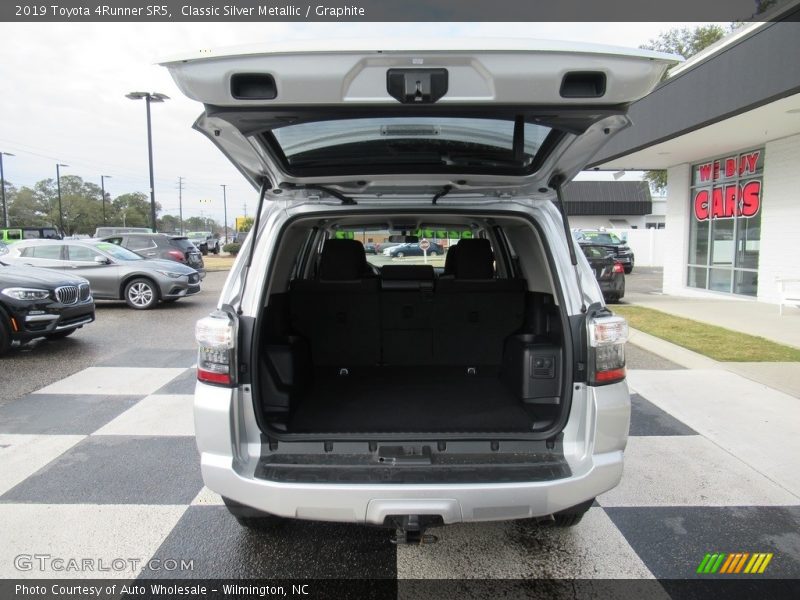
x,y
725,202
705,172
730,166
701,205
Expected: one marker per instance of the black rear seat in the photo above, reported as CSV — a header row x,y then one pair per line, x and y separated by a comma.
x,y
407,300
339,313
474,313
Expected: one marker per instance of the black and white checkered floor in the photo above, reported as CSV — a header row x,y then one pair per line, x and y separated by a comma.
x,y
102,464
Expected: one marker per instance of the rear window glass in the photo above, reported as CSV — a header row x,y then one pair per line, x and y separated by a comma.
x,y
440,141
600,237
183,243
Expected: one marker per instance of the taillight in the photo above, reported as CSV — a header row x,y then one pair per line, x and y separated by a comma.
x,y
607,337
177,255
216,355
618,268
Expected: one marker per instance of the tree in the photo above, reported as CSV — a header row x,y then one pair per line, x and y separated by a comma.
x,y
686,42
131,210
246,224
169,224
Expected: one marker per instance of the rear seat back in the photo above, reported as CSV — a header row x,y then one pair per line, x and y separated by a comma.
x,y
407,301
339,312
474,313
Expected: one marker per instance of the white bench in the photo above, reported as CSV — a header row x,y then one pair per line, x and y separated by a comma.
x,y
789,291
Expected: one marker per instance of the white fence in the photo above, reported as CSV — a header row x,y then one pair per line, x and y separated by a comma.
x,y
648,245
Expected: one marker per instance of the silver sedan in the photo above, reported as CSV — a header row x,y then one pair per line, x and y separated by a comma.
x,y
114,273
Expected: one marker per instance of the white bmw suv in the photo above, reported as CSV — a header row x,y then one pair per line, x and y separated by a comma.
x,y
485,384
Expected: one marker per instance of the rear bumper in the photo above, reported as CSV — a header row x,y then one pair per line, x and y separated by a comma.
x,y
230,447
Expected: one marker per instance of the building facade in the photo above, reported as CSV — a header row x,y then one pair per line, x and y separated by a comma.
x,y
726,127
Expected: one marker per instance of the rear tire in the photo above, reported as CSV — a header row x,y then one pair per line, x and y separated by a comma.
x,y
572,516
141,294
216,249
249,517
58,335
434,253
628,270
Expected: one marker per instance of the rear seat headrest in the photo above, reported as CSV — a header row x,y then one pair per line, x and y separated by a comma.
x,y
342,260
408,272
450,260
474,260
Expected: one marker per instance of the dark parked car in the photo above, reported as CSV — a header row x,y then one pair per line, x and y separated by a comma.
x,y
617,246
36,303
161,245
607,269
414,249
370,248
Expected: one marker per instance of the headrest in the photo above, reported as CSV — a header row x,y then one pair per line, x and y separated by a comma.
x,y
407,272
450,260
342,260
474,260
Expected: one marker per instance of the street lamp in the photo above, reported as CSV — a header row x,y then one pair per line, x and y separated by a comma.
x,y
225,209
58,187
148,98
103,188
3,189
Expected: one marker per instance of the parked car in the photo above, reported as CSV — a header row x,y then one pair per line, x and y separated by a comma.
x,y
102,232
239,237
618,247
608,271
114,272
370,248
38,303
204,241
161,245
328,392
414,249
15,234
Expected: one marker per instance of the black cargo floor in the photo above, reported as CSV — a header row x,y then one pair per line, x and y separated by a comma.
x,y
408,400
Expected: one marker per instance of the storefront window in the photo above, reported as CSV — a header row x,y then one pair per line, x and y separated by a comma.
x,y
725,223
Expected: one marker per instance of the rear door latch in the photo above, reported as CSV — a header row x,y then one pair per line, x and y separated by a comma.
x,y
416,86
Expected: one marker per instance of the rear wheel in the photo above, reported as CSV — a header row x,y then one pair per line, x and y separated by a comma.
x,y
433,253
141,294
57,335
628,269
249,517
572,516
216,249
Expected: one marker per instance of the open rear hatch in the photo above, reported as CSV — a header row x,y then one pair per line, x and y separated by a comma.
x,y
415,121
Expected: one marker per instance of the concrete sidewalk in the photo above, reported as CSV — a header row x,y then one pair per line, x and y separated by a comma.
x,y
747,316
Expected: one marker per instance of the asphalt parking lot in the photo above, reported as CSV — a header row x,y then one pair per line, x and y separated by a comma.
x,y
99,461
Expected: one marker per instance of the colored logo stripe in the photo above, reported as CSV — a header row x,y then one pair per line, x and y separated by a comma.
x,y
720,562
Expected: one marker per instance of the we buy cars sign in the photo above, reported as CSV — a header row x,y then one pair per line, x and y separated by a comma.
x,y
728,187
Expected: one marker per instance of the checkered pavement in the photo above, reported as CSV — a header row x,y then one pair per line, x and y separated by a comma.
x,y
103,464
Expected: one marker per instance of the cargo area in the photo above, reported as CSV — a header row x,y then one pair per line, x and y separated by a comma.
x,y
406,348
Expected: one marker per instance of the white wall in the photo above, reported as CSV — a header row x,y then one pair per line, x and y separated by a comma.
x,y
780,216
677,229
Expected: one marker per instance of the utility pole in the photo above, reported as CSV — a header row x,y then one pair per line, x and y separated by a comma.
x,y
103,188
58,187
225,210
3,189
180,202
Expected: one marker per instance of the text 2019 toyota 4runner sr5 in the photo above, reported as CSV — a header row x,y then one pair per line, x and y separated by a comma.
x,y
487,384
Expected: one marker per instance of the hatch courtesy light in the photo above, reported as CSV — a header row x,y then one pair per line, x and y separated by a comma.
x,y
216,359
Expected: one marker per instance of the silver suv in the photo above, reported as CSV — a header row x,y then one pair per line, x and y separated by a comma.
x,y
485,384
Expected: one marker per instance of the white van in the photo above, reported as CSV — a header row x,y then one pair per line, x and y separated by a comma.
x,y
485,384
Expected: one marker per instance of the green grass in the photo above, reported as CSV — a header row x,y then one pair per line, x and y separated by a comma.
x,y
715,342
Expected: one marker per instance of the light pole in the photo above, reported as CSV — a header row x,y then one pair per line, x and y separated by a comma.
x,y
148,98
103,187
3,189
58,187
225,210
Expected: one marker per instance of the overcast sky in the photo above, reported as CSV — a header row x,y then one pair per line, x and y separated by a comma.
x,y
63,86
